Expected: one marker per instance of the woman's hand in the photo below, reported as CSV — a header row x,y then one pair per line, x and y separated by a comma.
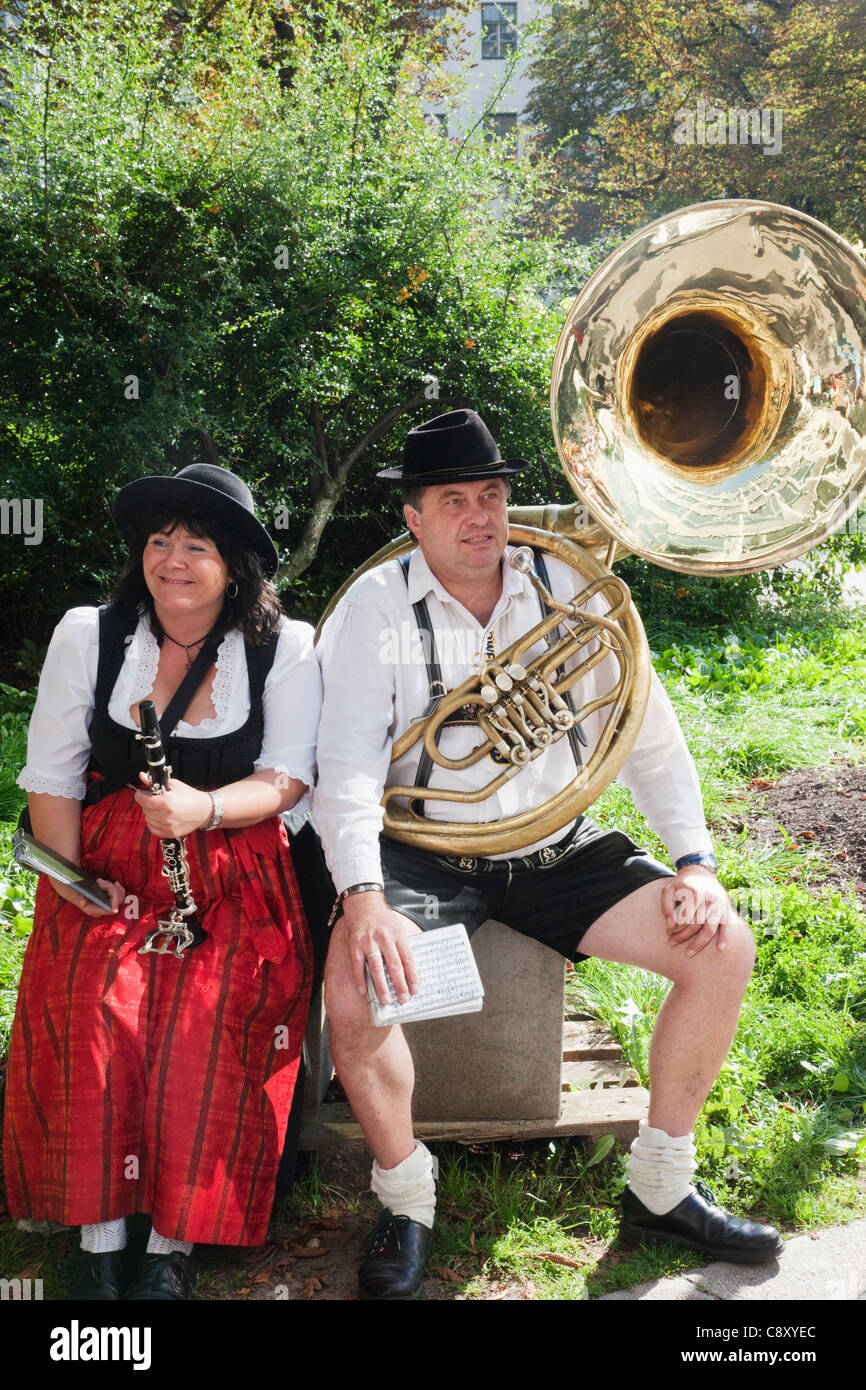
x,y
176,812
115,891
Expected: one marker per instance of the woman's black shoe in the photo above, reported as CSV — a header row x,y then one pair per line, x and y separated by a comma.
x,y
163,1279
699,1223
397,1250
100,1278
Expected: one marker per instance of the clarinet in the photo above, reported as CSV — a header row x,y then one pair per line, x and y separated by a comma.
x,y
179,931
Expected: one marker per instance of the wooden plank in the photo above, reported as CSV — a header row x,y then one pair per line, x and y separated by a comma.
x,y
614,1110
608,1073
588,1038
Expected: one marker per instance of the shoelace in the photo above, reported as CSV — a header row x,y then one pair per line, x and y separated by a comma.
x,y
706,1192
384,1234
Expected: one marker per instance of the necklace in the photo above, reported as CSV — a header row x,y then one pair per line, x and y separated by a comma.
x,y
186,645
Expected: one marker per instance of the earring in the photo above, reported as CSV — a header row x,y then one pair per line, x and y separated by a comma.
x,y
229,587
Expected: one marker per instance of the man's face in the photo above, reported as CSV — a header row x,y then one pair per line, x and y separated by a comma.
x,y
462,528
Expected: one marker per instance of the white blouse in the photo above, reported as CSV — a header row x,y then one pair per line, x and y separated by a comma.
x,y
58,743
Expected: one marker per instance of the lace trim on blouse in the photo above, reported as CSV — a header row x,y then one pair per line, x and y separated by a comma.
x,y
72,789
223,681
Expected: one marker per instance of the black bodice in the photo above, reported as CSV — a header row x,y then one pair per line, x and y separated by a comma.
x,y
117,755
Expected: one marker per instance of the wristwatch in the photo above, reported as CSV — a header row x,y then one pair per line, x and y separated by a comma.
x,y
348,893
705,858
361,888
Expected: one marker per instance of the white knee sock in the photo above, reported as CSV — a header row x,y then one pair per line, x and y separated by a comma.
x,y
409,1189
104,1237
163,1245
660,1168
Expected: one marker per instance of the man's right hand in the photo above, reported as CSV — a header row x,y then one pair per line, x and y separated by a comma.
x,y
378,936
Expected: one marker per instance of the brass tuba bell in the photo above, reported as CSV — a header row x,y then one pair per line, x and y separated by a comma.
x,y
709,411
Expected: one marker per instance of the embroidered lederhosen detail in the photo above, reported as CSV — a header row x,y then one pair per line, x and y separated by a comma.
x,y
117,755
436,687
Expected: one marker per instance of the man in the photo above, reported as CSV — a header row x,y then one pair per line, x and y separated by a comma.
x,y
583,891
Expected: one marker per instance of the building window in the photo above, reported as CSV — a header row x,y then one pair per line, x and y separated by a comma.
x,y
501,123
498,31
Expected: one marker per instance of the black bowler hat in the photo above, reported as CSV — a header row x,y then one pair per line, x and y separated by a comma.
x,y
453,448
206,488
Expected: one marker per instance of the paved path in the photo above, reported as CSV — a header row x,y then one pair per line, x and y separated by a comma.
x,y
827,1266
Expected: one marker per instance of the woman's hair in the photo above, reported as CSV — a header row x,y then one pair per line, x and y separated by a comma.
x,y
256,609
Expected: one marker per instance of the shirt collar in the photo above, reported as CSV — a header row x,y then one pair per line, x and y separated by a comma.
x,y
422,580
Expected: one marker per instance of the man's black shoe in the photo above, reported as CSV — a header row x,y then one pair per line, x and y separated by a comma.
x,y
397,1250
699,1223
163,1279
100,1278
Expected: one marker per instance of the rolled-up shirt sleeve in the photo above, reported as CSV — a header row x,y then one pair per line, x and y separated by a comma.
x,y
661,775
659,771
354,743
58,740
292,702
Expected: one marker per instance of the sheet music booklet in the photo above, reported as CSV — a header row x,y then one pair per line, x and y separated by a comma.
x,y
449,979
39,859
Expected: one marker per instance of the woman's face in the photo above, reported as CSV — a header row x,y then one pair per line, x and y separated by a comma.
x,y
186,576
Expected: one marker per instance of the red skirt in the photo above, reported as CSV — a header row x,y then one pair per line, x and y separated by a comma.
x,y
151,1084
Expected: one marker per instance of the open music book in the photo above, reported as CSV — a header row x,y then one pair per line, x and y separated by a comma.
x,y
449,980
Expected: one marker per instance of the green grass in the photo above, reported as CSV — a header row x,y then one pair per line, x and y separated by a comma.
x,y
783,1134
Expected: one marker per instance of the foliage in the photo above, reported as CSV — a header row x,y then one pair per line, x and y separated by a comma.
x,y
17,892
611,82
204,249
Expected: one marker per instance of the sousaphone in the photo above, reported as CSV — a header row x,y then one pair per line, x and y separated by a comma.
x,y
708,409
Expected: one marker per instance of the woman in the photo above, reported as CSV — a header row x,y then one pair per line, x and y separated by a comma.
x,y
144,1082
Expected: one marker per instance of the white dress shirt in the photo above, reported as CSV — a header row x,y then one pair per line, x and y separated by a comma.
x,y
58,743
375,683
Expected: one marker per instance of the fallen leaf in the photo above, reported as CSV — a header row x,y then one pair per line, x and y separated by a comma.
x,y
556,1259
311,1286
447,1274
304,1252
761,784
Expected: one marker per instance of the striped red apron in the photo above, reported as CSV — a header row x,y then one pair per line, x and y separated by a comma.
x,y
151,1084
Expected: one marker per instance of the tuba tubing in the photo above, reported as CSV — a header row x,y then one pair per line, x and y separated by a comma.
x,y
627,702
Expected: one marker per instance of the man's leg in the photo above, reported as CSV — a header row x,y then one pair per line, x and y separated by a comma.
x,y
374,1064
698,1019
375,1069
690,1041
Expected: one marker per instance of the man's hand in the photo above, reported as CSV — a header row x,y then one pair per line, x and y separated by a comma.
x,y
377,936
696,909
177,812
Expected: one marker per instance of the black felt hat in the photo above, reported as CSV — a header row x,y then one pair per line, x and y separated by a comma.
x,y
206,488
453,448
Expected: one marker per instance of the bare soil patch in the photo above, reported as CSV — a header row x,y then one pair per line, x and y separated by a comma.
x,y
822,808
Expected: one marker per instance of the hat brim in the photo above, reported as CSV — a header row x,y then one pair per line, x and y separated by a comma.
x,y
145,494
503,469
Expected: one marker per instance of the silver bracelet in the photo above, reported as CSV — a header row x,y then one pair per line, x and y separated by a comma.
x,y
361,888
217,814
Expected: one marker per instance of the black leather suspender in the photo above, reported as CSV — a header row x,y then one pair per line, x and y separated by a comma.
x,y
436,687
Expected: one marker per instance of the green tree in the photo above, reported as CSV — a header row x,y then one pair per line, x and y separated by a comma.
x,y
202,254
615,84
